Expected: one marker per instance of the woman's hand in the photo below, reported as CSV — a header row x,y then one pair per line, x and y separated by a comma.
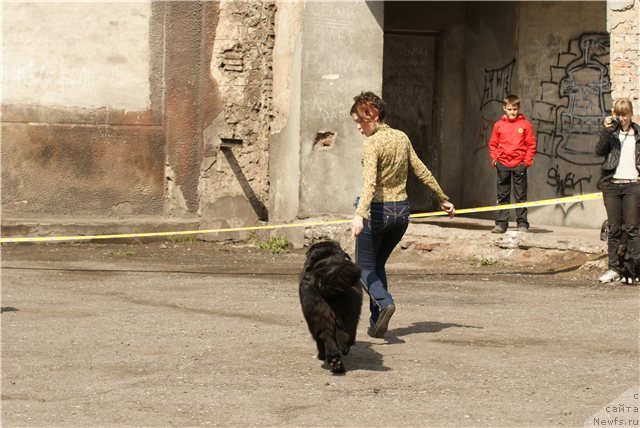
x,y
609,123
448,208
356,225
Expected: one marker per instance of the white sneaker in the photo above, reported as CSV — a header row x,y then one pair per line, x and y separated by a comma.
x,y
609,276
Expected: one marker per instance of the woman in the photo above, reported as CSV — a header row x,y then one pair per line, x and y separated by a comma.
x,y
619,143
382,212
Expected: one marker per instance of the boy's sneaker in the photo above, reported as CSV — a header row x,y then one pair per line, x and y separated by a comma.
x,y
609,276
498,229
524,229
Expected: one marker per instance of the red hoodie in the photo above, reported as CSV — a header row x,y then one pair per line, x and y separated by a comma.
x,y
512,142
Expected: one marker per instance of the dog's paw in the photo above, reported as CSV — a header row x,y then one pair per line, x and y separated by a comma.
x,y
335,362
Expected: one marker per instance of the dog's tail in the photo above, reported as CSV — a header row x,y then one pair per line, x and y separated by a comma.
x,y
339,278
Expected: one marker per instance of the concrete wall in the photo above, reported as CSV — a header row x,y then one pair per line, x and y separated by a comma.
x,y
81,119
284,145
564,73
341,56
491,47
191,98
104,106
62,61
320,65
554,57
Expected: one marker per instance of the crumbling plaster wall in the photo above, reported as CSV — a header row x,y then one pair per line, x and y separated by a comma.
x,y
234,173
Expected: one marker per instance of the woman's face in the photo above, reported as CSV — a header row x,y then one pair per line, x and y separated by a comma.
x,y
625,120
366,127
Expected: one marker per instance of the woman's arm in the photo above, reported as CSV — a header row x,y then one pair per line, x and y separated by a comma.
x,y
603,146
369,174
424,175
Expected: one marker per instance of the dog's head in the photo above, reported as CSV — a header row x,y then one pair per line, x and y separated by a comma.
x,y
331,268
622,250
324,249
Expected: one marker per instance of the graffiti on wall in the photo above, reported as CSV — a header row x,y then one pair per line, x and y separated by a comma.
x,y
497,85
567,185
570,112
567,116
573,103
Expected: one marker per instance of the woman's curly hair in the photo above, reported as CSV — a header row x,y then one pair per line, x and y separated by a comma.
x,y
367,106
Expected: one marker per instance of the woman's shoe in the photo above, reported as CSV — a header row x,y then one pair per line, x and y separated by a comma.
x,y
382,325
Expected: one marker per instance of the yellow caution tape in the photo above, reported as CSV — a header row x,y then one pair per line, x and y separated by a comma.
x,y
555,201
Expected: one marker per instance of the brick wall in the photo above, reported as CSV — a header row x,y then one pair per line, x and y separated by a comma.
x,y
623,23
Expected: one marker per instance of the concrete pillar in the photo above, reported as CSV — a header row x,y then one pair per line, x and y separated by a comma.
x,y
342,56
336,55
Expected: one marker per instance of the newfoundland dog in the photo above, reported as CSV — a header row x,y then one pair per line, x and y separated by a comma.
x,y
331,299
628,264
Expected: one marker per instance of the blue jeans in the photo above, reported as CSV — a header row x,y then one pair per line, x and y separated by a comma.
x,y
383,230
621,202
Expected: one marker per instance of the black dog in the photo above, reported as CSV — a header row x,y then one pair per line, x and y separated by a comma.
x,y
628,264
331,300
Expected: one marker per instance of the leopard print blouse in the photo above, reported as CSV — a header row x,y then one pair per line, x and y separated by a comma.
x,y
386,157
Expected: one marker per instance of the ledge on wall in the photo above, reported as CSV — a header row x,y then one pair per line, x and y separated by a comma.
x,y
51,227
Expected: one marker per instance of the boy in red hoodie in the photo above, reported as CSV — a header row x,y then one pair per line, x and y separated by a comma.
x,y
512,148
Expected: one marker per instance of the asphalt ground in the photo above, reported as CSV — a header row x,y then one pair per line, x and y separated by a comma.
x,y
201,334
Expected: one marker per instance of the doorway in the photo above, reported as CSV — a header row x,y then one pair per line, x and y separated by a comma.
x,y
408,88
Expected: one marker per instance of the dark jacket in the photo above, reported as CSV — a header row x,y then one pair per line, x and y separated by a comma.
x,y
610,146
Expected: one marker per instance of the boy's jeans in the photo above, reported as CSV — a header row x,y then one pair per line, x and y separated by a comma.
x,y
621,202
383,230
519,176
